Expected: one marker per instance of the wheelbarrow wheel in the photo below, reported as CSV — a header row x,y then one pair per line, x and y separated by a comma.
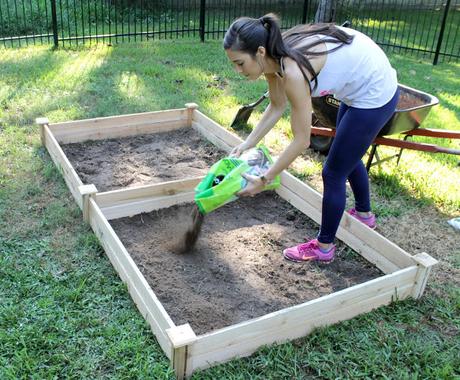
x,y
320,144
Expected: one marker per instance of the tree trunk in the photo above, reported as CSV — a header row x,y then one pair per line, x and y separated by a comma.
x,y
325,11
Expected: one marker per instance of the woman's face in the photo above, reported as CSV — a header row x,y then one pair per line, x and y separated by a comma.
x,y
245,64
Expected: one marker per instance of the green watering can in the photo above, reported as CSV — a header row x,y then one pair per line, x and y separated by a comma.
x,y
224,179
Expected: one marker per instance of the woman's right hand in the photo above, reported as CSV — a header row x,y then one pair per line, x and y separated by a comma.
x,y
239,149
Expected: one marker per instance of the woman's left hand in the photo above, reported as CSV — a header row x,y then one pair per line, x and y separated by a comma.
x,y
254,186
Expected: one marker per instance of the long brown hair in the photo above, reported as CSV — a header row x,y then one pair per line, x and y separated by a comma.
x,y
247,34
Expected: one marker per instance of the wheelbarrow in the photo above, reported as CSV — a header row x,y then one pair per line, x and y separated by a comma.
x,y
412,109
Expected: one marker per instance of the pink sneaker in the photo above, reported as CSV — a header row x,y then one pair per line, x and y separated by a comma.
x,y
370,221
309,252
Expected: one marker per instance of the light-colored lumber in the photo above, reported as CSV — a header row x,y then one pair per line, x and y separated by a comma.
x,y
181,337
221,144
297,321
121,196
86,191
247,346
351,230
307,193
147,204
143,296
132,201
87,134
63,164
119,126
424,263
42,121
224,139
191,107
121,120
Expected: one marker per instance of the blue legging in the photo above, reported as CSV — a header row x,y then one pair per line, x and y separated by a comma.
x,y
356,129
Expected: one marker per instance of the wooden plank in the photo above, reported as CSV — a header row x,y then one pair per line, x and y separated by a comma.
x,y
245,346
117,131
143,296
42,121
147,204
221,144
71,177
191,107
371,254
307,193
121,196
351,231
216,129
424,263
297,321
298,202
181,337
119,120
86,192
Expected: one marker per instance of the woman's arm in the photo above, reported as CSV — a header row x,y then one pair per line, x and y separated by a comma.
x,y
298,94
271,115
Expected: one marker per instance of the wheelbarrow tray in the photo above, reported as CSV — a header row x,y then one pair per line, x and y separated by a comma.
x,y
412,109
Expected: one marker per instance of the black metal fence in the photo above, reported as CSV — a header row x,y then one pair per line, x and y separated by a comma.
x,y
428,28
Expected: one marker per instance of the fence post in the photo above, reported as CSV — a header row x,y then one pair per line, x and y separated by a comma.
x,y
54,19
304,12
325,11
202,19
441,33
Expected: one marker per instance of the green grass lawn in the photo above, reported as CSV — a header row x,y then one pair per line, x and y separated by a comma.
x,y
64,313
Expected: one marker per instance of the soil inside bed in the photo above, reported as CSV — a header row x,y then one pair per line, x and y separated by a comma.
x,y
151,158
236,270
408,100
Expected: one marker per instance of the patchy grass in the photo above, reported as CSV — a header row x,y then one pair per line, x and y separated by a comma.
x,y
64,313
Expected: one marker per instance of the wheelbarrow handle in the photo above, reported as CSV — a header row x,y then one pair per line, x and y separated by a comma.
x,y
434,133
415,146
393,142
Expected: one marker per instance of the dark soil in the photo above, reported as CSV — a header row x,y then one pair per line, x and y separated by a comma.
x,y
151,158
236,270
408,100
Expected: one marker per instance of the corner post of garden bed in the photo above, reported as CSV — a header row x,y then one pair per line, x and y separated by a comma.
x,y
181,338
42,121
424,264
86,192
191,107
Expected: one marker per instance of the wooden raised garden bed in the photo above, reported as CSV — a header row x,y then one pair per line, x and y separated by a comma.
x,y
403,275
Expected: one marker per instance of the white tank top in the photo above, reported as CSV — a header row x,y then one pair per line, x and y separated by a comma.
x,y
358,74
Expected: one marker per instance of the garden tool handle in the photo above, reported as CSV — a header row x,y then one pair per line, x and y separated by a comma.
x,y
260,100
